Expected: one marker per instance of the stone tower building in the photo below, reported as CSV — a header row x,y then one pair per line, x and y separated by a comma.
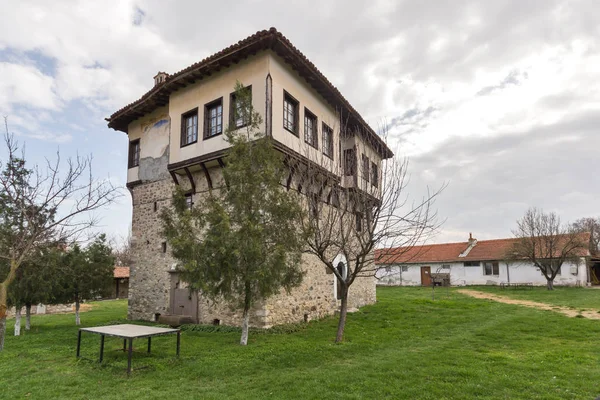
x,y
175,138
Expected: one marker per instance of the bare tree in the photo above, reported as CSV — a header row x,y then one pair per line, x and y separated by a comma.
x,y
122,251
367,208
547,243
591,225
43,205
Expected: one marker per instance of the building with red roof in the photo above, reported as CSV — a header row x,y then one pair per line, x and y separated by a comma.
x,y
474,262
120,283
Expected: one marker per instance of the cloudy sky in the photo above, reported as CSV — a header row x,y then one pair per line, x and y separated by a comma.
x,y
501,100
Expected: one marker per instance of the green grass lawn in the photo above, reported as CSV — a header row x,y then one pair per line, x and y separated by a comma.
x,y
405,346
578,298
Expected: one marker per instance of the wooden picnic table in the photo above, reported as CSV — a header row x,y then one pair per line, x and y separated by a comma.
x,y
128,332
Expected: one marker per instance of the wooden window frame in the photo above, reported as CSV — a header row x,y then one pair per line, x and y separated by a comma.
x,y
327,150
350,170
359,224
288,98
495,267
232,108
189,203
374,174
471,263
184,118
366,163
314,140
133,158
207,107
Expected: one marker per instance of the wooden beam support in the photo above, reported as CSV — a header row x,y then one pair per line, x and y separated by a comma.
x,y
320,194
191,179
221,162
207,174
289,179
174,176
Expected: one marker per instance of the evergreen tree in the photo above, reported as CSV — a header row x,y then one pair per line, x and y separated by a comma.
x,y
85,274
34,283
243,243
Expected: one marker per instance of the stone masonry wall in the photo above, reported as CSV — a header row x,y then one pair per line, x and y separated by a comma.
x,y
315,297
362,292
149,280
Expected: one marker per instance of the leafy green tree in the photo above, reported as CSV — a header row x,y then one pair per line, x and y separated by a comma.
x,y
85,273
243,243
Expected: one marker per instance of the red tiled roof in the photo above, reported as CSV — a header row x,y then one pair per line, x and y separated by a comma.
x,y
261,40
416,254
496,249
121,272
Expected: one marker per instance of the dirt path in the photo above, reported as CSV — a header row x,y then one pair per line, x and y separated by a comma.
x,y
569,312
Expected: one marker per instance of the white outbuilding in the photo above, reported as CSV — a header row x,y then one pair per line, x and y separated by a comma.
x,y
474,262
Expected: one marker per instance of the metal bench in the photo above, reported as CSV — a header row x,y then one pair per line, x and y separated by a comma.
x,y
516,285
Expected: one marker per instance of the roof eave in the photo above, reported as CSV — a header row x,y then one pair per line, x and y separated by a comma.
x,y
265,40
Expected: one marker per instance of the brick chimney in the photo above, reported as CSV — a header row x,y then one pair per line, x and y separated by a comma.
x,y
160,78
471,239
472,243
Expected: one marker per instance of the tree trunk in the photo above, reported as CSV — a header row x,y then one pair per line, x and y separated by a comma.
x,y
27,316
2,314
343,311
2,329
77,320
18,320
550,284
246,318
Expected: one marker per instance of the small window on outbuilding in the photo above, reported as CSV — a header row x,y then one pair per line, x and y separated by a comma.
x,y
491,268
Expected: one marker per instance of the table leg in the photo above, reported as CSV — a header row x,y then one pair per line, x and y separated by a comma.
x,y
149,344
124,345
78,343
101,348
178,342
129,356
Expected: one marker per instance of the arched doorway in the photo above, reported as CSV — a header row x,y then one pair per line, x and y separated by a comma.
x,y
341,265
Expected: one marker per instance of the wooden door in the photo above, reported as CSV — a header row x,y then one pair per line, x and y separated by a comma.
x,y
426,276
185,303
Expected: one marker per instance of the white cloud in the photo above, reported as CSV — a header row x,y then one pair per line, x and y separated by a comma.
x,y
25,85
